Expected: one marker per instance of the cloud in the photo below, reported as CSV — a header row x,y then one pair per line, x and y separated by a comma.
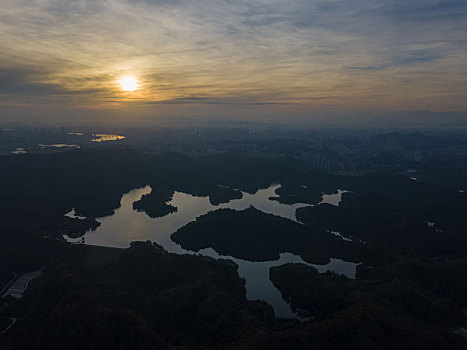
x,y
355,54
237,101
19,81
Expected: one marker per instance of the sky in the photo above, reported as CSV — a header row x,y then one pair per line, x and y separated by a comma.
x,y
294,60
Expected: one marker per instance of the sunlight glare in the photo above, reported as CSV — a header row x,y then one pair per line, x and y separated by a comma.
x,y
128,84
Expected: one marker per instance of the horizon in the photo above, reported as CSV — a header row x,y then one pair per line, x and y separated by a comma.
x,y
147,62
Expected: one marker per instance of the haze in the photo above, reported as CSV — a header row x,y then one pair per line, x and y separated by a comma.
x,y
338,62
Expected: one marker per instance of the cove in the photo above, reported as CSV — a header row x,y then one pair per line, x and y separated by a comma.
x,y
127,225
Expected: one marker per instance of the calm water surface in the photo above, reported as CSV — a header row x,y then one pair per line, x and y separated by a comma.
x,y
59,145
128,225
106,137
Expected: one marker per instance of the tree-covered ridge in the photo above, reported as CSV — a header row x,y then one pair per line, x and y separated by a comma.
x,y
408,294
250,234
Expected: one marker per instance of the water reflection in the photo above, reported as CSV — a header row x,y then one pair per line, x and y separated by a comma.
x,y
19,150
106,137
72,214
128,225
58,145
333,199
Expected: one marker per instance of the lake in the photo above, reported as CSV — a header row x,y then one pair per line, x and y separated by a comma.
x,y
127,225
106,137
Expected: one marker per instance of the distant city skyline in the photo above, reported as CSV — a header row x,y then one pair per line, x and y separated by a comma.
x,y
297,61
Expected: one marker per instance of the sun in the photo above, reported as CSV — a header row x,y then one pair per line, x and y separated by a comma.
x,y
129,84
